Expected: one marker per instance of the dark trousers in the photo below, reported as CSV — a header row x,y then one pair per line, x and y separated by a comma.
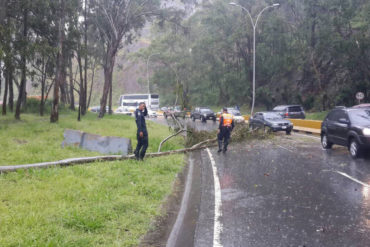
x,y
224,136
142,145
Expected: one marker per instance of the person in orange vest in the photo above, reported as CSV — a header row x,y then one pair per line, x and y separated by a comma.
x,y
224,130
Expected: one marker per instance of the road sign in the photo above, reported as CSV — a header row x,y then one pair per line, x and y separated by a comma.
x,y
360,95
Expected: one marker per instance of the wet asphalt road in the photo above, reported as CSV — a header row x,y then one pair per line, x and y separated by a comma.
x,y
281,192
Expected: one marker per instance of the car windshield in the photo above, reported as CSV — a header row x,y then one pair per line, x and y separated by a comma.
x,y
295,109
272,116
205,110
360,116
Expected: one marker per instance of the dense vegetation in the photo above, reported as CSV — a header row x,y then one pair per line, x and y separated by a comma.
x,y
311,52
58,45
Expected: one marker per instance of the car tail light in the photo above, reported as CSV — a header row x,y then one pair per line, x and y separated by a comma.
x,y
287,114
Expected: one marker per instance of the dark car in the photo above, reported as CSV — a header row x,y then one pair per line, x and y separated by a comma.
x,y
290,111
349,127
176,111
270,121
203,114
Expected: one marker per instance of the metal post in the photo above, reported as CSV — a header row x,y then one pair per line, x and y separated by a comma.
x,y
254,25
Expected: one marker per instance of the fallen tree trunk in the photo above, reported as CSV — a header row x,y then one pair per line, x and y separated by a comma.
x,y
162,142
86,160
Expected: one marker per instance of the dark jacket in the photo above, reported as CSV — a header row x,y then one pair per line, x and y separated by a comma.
x,y
140,120
221,126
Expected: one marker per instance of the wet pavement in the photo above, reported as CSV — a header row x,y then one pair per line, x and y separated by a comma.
x,y
286,191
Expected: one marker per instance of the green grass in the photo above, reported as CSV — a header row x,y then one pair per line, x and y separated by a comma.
x,y
100,204
316,115
34,139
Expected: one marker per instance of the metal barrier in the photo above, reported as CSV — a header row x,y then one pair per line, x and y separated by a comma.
x,y
312,124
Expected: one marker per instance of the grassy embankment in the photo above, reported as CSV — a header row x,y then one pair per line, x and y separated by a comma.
x,y
34,139
316,115
99,204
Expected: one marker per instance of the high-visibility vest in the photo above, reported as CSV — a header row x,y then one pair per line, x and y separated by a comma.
x,y
228,120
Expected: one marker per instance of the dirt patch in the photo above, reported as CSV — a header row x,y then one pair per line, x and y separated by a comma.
x,y
20,142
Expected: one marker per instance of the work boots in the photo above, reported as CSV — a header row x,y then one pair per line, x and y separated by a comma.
x,y
219,146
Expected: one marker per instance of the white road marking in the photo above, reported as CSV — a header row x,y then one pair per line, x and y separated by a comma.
x,y
353,179
184,206
217,226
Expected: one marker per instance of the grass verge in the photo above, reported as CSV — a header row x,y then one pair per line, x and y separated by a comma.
x,y
317,115
100,204
34,139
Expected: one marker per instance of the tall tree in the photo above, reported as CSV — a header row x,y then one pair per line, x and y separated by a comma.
x,y
119,20
22,88
54,116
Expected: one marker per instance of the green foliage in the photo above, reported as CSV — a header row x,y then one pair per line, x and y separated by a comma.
x,y
100,204
304,50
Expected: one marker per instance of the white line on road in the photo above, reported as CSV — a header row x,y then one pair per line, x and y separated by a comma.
x,y
184,206
217,226
353,179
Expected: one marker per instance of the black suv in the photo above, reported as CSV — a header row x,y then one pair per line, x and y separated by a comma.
x,y
349,127
203,114
290,111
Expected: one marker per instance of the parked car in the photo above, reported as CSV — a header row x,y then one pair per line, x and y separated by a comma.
x,y
123,111
270,121
96,109
290,111
176,111
203,114
349,127
236,114
152,113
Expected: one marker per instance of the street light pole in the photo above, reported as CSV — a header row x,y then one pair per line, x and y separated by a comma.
x,y
147,70
254,25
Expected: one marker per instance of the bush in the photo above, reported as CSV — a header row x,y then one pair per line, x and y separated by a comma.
x,y
33,106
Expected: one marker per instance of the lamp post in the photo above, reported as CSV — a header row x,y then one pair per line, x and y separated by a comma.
x,y
254,25
147,69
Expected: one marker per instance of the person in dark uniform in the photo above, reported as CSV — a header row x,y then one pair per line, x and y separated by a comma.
x,y
142,132
224,130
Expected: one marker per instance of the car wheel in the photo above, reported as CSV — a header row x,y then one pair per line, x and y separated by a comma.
x,y
288,132
354,148
325,143
204,120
